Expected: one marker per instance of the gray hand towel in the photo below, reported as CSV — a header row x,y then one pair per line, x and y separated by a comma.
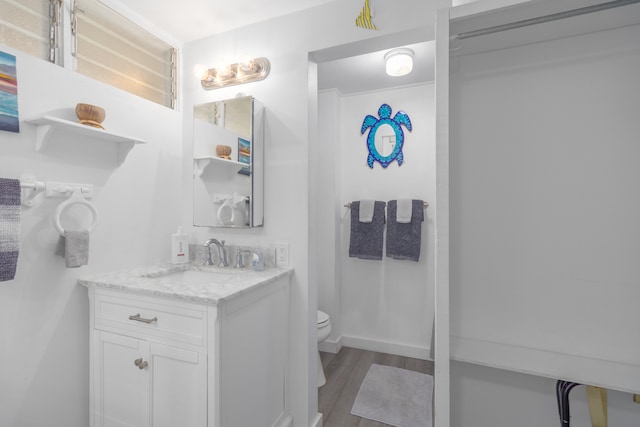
x,y
74,247
403,240
366,238
9,227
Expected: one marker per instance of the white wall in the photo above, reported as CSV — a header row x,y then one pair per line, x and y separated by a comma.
x,y
328,211
289,99
44,348
382,305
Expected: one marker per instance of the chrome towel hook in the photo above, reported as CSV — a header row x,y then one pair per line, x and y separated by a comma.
x,y
76,198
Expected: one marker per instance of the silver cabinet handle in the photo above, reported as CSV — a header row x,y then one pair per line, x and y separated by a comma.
x,y
141,364
137,318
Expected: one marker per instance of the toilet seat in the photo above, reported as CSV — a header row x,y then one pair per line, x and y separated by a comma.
x,y
323,318
324,330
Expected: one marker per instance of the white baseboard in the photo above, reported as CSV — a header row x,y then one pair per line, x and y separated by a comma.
x,y
387,347
330,346
317,421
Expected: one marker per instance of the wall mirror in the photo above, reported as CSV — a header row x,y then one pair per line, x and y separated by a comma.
x,y
228,163
385,138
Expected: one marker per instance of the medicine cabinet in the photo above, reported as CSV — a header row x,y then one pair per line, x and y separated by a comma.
x,y
228,163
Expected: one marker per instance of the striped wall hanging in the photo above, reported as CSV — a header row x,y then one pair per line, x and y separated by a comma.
x,y
364,19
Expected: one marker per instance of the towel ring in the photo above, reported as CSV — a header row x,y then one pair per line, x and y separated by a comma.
x,y
78,198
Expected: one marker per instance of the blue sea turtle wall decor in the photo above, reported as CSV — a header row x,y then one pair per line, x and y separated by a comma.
x,y
373,124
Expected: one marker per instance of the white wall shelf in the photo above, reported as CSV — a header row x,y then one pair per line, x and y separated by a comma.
x,y
611,374
201,162
47,125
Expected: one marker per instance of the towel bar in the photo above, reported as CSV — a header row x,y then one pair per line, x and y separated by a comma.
x,y
348,205
31,187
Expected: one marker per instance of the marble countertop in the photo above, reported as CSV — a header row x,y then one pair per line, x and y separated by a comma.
x,y
205,284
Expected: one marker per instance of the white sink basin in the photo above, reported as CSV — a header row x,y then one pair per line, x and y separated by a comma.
x,y
195,277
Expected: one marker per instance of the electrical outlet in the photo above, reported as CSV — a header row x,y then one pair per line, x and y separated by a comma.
x,y
282,254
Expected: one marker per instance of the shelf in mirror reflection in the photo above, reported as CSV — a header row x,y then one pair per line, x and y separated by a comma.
x,y
200,163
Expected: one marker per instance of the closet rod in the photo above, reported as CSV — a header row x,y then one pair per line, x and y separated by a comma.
x,y
543,19
426,205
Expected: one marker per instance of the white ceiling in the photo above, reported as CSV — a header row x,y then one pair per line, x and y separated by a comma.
x,y
189,20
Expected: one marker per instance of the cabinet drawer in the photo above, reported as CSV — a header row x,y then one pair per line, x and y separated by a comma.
x,y
150,318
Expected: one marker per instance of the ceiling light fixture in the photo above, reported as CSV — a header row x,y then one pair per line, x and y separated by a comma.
x,y
399,62
245,71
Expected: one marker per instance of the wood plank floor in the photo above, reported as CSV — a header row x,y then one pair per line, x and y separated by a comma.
x,y
344,372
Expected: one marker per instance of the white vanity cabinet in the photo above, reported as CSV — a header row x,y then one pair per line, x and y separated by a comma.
x,y
148,384
159,361
148,374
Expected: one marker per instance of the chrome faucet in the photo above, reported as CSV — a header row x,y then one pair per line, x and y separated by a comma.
x,y
239,254
222,253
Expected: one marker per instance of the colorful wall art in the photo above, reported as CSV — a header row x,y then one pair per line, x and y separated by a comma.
x,y
244,155
364,18
8,93
386,138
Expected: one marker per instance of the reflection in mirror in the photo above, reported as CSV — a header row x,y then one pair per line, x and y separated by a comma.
x,y
385,140
228,152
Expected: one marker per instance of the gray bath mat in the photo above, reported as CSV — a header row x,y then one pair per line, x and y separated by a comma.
x,y
395,396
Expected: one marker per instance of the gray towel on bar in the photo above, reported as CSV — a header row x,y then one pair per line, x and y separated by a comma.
x,y
403,240
74,248
9,227
366,237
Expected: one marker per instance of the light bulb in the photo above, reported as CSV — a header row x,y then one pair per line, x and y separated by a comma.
x,y
200,71
224,71
245,63
399,62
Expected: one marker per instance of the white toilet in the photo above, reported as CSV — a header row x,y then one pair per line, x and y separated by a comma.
x,y
324,329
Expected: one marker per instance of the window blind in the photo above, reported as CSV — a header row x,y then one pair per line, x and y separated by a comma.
x,y
114,50
27,25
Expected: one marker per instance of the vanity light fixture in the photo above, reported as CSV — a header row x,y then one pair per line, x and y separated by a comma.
x,y
399,62
245,71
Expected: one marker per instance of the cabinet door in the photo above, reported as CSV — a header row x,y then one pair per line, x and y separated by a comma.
x,y
121,387
178,387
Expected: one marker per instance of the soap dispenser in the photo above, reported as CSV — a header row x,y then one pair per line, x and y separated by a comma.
x,y
257,261
179,247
